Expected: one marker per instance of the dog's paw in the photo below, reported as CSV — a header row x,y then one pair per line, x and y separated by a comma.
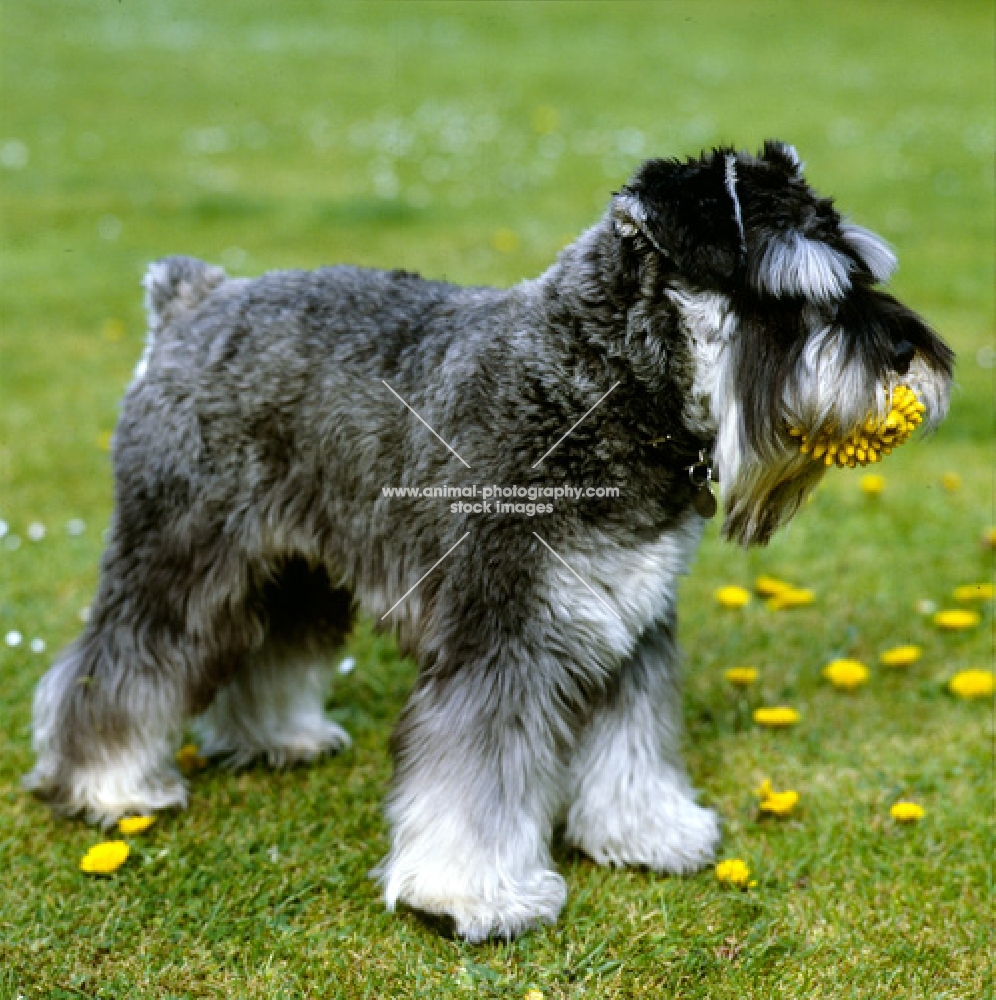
x,y
103,795
482,904
238,746
672,834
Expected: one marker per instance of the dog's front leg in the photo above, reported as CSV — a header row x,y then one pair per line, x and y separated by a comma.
x,y
477,784
630,799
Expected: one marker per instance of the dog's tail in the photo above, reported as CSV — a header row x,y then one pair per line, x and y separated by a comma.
x,y
174,286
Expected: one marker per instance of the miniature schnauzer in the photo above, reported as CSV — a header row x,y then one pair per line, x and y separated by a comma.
x,y
716,305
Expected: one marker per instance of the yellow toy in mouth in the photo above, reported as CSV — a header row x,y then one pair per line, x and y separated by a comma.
x,y
877,437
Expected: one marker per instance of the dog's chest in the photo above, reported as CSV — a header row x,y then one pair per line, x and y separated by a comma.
x,y
608,593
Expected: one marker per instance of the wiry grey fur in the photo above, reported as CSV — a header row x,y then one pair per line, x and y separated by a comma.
x,y
720,297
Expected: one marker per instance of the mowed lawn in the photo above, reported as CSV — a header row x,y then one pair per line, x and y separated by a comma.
x,y
470,142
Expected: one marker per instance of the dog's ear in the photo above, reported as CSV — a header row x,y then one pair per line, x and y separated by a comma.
x,y
689,212
780,154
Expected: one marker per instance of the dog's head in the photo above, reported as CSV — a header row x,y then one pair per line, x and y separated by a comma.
x,y
779,297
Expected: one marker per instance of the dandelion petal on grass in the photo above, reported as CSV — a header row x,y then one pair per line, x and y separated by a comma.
x,y
733,871
900,656
732,597
794,597
907,812
771,586
956,619
972,684
102,859
974,592
776,716
741,676
132,825
846,674
776,803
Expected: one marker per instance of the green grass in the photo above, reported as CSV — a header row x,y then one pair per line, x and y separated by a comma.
x,y
407,135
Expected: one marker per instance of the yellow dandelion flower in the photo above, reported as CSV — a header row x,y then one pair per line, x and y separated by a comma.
x,y
131,825
846,674
770,586
974,592
872,485
733,871
972,684
900,656
533,995
189,759
794,597
102,859
776,716
732,597
951,481
776,803
870,442
955,619
907,812
741,676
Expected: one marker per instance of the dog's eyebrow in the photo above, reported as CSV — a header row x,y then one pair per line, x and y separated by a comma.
x,y
731,186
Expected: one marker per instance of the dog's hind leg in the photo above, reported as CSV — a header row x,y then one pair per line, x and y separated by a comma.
x,y
166,624
630,799
272,709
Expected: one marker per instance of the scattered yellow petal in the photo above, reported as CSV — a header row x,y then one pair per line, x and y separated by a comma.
x,y
770,586
733,871
900,656
776,803
104,440
794,597
956,619
872,485
131,825
951,481
989,538
533,995
102,859
974,592
846,674
907,812
189,759
741,676
972,684
504,241
732,597
776,716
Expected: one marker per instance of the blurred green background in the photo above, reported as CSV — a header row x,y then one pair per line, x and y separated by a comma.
x,y
471,141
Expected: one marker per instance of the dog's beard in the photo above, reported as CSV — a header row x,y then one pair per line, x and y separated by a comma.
x,y
764,476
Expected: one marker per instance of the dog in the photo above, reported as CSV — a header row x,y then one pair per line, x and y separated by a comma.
x,y
717,304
